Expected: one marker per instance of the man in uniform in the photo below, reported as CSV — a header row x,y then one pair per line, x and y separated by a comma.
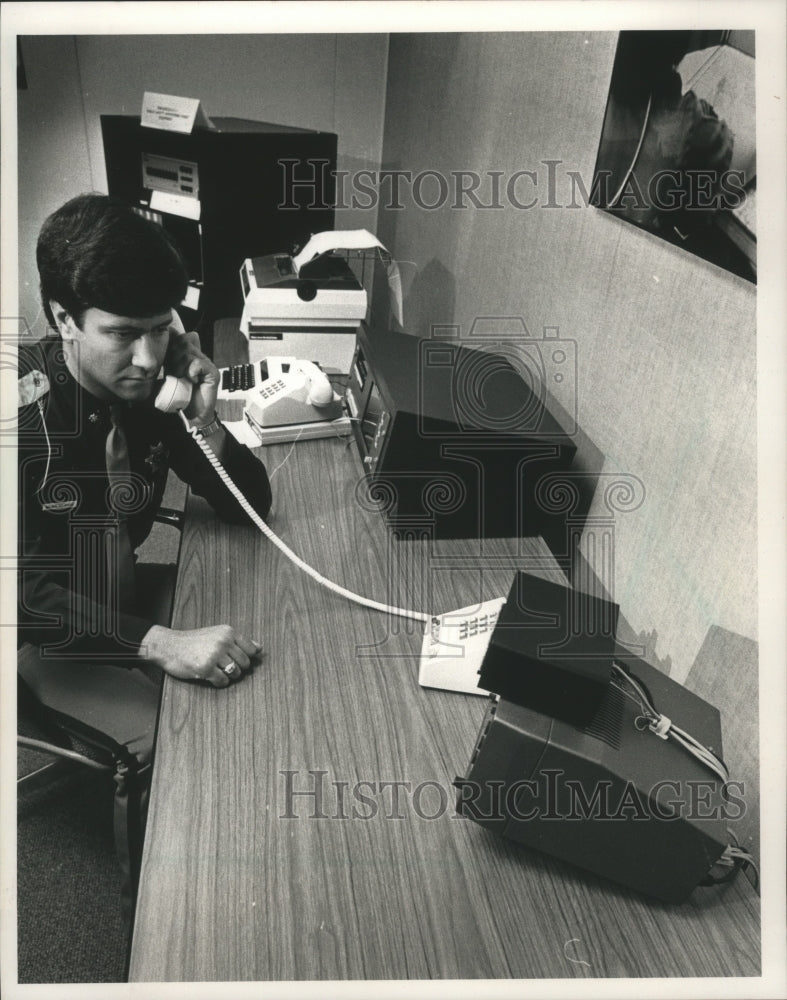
x,y
93,459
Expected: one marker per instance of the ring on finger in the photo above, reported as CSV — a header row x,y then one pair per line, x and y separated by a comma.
x,y
230,668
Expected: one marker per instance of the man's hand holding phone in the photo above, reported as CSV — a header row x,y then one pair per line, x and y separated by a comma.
x,y
185,360
192,385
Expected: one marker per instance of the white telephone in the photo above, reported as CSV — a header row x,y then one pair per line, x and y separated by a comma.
x,y
295,392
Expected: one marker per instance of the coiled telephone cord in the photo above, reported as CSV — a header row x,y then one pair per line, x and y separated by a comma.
x,y
255,517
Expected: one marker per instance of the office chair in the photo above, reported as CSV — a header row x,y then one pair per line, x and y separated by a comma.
x,y
102,719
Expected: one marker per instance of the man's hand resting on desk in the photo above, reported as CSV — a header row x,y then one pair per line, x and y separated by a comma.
x,y
203,654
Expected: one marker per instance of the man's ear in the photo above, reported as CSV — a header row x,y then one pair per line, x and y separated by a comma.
x,y
66,326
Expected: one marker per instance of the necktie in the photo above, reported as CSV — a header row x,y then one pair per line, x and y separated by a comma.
x,y
120,554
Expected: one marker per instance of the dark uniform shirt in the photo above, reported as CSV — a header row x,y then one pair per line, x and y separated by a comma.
x,y
66,508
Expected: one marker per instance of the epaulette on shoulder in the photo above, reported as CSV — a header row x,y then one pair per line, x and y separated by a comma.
x,y
33,383
32,387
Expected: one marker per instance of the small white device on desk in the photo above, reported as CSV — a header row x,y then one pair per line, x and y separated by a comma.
x,y
286,399
311,310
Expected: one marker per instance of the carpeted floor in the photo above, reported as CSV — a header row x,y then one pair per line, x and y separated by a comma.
x,y
68,883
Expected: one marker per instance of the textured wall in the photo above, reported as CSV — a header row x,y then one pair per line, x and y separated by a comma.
x,y
330,82
53,164
665,343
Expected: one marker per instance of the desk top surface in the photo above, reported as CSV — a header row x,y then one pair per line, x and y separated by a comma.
x,y
302,822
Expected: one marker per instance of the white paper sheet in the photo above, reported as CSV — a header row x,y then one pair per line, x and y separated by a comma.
x,y
353,239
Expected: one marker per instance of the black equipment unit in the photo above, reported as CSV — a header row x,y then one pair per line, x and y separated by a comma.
x,y
243,189
612,798
456,441
552,649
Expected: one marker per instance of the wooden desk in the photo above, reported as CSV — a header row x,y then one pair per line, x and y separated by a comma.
x,y
243,881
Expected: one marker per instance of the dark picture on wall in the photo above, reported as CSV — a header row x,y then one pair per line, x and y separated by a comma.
x,y
677,155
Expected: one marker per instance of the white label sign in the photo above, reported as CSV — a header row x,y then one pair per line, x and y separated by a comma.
x,y
192,298
173,114
176,204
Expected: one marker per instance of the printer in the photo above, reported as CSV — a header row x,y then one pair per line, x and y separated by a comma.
x,y
308,310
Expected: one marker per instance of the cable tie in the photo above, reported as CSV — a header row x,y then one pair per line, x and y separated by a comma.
x,y
661,726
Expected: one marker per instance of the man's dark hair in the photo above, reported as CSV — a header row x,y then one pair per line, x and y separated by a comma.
x,y
97,252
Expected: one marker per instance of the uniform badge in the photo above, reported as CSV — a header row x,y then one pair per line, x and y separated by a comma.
x,y
157,458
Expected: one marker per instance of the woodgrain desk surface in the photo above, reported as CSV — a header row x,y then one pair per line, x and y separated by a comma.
x,y
370,874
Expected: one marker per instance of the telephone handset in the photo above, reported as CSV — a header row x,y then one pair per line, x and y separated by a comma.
x,y
175,393
319,391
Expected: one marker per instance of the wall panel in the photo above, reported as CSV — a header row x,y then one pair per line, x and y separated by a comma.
x,y
665,342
